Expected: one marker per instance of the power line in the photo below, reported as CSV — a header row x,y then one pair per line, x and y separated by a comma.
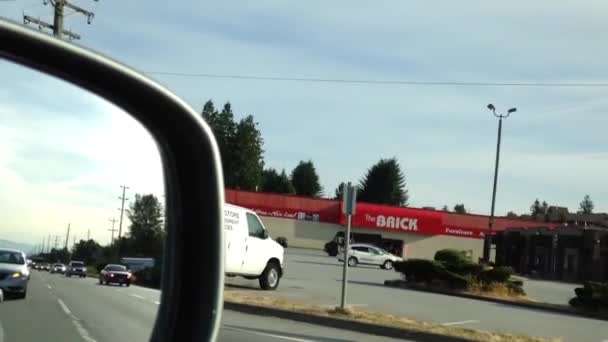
x,y
380,82
57,26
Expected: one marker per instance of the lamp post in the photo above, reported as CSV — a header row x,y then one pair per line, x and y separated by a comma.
x,y
488,237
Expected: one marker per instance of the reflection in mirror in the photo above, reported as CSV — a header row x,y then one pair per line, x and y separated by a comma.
x,y
81,187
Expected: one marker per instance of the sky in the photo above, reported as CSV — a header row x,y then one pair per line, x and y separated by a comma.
x,y
60,164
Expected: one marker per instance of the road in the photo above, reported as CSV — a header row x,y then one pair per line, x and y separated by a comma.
x,y
313,277
72,309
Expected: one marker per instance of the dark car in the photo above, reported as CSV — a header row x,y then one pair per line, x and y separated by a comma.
x,y
115,274
76,268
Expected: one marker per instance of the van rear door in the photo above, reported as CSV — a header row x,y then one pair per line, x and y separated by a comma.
x,y
235,235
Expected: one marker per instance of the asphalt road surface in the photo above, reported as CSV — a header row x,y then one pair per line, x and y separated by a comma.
x,y
73,309
313,277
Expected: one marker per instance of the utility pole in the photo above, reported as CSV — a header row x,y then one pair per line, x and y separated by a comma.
x,y
56,243
113,220
122,208
48,245
88,234
67,238
58,15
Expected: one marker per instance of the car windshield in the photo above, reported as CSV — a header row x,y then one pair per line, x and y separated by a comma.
x,y
115,268
472,134
9,257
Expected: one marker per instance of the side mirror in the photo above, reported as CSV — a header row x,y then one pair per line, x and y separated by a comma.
x,y
265,234
192,173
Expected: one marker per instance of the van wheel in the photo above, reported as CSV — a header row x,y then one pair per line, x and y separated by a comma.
x,y
352,262
269,280
388,265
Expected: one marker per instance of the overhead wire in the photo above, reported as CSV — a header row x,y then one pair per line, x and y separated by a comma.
x,y
381,82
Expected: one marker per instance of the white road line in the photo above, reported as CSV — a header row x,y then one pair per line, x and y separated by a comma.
x,y
1,333
137,296
81,330
147,289
460,322
287,338
157,303
64,307
49,286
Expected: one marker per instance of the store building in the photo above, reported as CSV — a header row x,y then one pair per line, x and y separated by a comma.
x,y
410,232
566,252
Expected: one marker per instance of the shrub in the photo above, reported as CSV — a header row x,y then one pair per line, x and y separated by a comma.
x,y
496,275
592,295
281,241
451,257
420,269
466,269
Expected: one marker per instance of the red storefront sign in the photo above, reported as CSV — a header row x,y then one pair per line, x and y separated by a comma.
x,y
407,220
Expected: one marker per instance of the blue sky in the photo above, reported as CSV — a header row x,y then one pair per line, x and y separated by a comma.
x,y
554,146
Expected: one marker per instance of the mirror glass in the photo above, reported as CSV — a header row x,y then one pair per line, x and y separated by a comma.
x,y
81,188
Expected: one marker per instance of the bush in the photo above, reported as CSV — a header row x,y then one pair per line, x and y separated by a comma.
x,y
281,241
431,272
592,295
420,269
499,274
451,257
466,269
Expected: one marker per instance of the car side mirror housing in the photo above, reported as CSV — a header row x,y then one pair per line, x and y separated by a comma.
x,y
265,234
190,302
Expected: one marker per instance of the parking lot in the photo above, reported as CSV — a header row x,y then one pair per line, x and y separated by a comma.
x,y
313,277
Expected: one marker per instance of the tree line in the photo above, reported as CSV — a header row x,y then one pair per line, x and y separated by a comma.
x,y
241,147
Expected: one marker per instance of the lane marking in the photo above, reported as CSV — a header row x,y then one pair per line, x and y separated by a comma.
x,y
460,322
64,307
157,303
287,338
137,296
147,289
1,333
49,286
81,330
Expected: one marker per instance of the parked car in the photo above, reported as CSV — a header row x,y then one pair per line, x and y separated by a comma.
x,y
250,252
58,268
115,274
76,268
365,254
14,274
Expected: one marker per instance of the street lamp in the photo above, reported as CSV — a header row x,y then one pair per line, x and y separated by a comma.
x,y
488,237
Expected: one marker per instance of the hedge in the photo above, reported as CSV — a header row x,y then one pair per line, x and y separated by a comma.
x,y
592,295
451,257
431,272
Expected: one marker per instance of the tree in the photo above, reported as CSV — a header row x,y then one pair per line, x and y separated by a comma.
x,y
339,192
544,207
445,208
87,251
146,230
512,214
248,162
586,206
460,209
274,182
384,183
305,180
536,209
240,146
59,255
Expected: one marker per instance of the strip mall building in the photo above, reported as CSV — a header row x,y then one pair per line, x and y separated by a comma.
x,y
410,232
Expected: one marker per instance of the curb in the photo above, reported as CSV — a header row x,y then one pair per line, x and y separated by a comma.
x,y
537,306
344,324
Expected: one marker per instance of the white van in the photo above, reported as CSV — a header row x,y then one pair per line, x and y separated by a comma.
x,y
250,252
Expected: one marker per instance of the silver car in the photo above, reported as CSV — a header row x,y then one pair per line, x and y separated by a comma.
x,y
58,268
365,254
14,274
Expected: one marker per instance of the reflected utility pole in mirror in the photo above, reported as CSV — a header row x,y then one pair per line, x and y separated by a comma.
x,y
122,208
113,220
57,26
